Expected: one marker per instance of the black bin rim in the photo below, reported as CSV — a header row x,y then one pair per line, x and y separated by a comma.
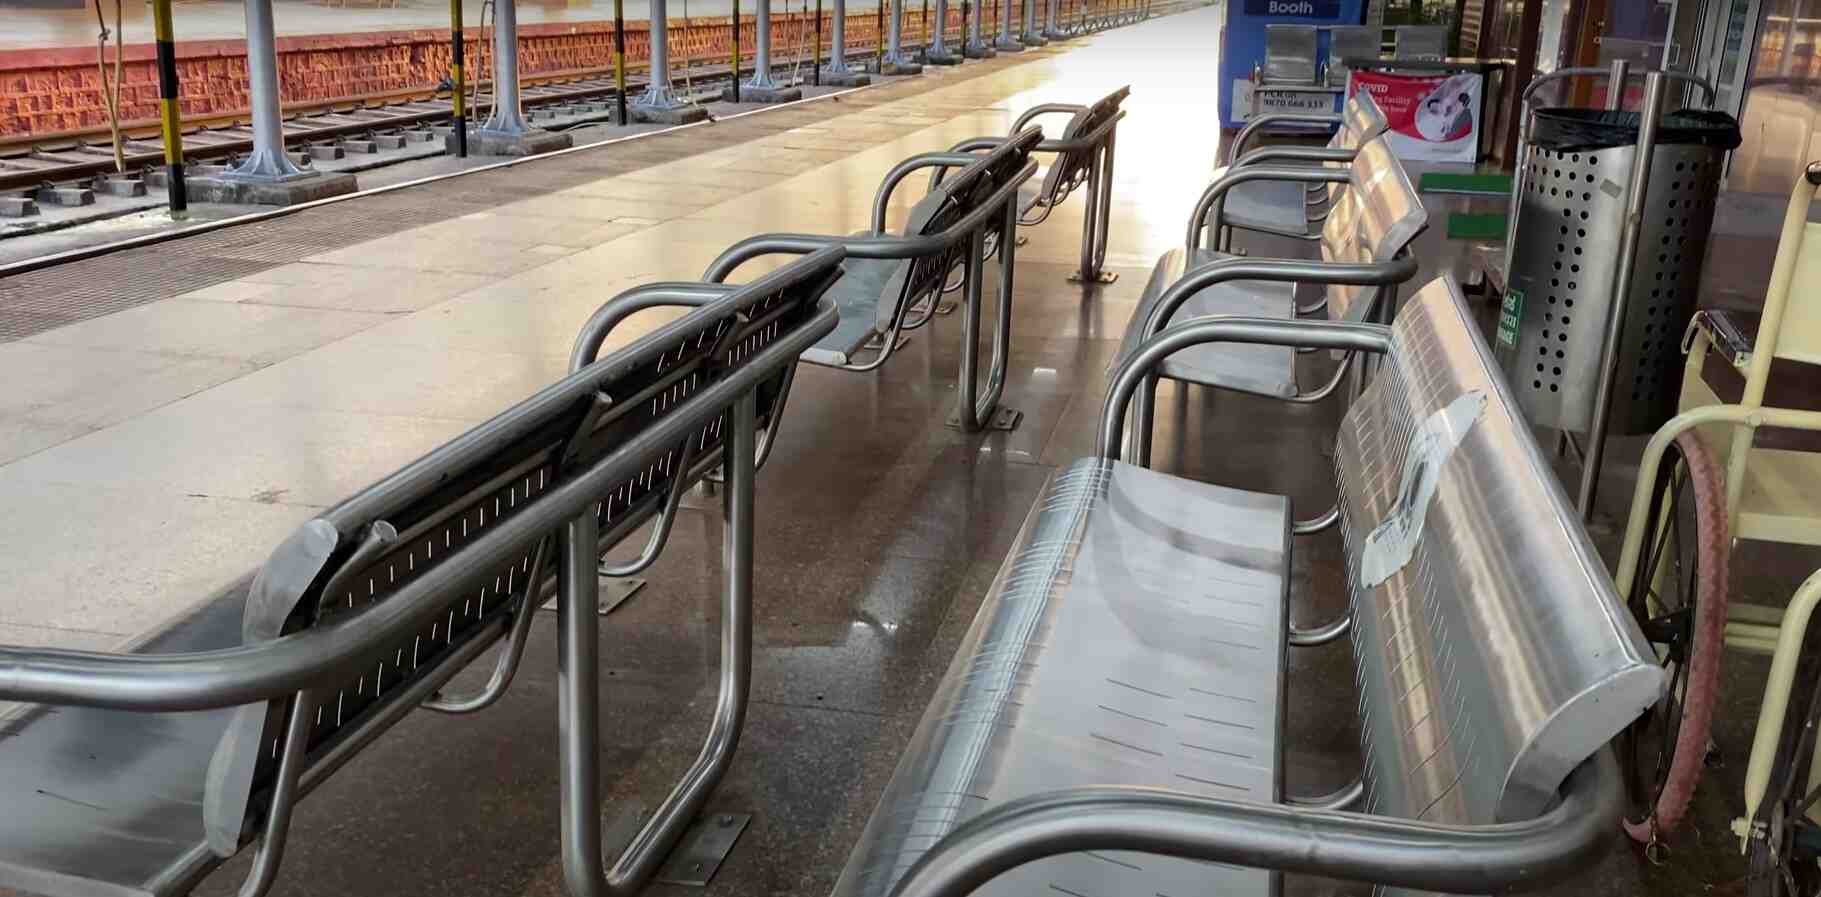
x,y
1572,130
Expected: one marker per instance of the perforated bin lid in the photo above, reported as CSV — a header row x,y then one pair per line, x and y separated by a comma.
x,y
1584,130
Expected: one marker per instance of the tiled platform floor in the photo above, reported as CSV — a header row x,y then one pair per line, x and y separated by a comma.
x,y
152,456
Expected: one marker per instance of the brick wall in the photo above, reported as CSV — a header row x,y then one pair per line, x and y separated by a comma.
x,y
46,92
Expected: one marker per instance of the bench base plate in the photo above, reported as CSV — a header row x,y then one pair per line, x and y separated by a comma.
x,y
614,592
702,851
1001,419
1102,277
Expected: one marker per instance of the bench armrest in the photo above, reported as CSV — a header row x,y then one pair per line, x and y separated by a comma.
x,y
1297,154
1375,338
1214,197
208,680
652,295
1257,125
939,161
1456,859
871,247
1366,274
1045,109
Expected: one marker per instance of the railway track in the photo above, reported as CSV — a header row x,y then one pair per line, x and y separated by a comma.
x,y
31,164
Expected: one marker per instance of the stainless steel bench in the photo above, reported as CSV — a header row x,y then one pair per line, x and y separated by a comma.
x,y
1289,207
1112,723
1364,247
144,771
894,282
1083,155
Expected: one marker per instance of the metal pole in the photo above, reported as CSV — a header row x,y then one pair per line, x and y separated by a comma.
x,y
761,57
893,53
879,36
736,51
169,115
923,17
1635,196
1615,85
658,94
1006,41
936,47
619,60
506,117
837,54
816,71
1050,30
268,161
458,100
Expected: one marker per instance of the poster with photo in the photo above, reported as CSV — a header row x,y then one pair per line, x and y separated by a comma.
x,y
1433,117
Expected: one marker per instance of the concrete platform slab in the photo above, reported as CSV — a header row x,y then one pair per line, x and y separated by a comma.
x,y
282,193
530,143
668,115
751,94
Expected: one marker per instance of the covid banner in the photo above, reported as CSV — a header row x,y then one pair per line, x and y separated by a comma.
x,y
1432,117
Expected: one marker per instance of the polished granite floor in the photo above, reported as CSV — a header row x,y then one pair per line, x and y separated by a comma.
x,y
150,457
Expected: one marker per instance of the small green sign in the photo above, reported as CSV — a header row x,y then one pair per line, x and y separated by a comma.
x,y
1511,312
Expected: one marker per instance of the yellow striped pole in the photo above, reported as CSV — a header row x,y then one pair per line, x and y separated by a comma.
x,y
170,117
619,59
458,52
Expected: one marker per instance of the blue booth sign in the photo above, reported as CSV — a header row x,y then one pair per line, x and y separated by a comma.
x,y
1303,9
1243,48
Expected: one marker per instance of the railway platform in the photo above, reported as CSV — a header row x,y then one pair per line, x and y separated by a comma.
x,y
172,411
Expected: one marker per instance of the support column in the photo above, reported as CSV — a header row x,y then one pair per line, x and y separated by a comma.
x,y
268,162
267,176
659,104
1006,43
894,62
505,132
1032,36
1050,29
760,88
937,53
836,71
975,48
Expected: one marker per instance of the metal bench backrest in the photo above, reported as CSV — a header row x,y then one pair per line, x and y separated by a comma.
x,y
944,208
363,550
1349,42
1421,42
1373,220
1290,54
1361,120
1496,655
1069,170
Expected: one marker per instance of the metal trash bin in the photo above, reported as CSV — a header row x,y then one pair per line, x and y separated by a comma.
x,y
1570,217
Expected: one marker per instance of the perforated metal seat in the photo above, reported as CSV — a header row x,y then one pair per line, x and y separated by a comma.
x,y
1136,636
1265,370
1292,208
1372,221
1280,207
1161,607
105,801
857,295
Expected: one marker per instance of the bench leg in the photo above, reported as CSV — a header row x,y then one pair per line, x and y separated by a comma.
x,y
578,687
975,413
1094,225
277,826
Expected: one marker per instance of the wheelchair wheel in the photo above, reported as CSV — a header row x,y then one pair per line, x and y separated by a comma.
x,y
1678,596
1784,843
